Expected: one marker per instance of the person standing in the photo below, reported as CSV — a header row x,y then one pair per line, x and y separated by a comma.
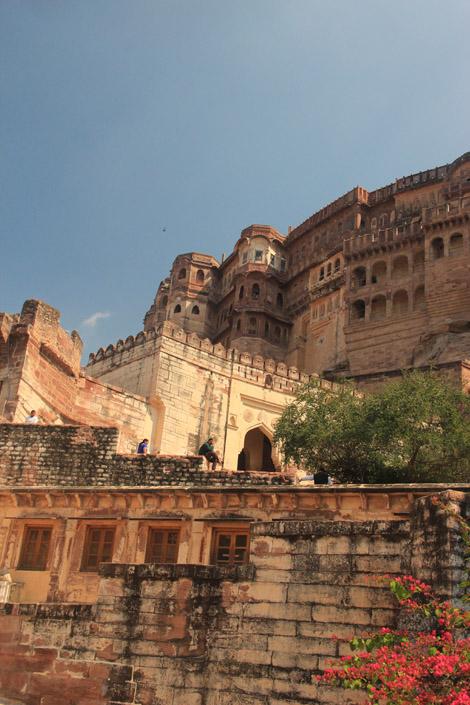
x,y
32,418
207,450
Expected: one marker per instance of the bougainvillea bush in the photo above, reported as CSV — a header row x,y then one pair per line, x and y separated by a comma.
x,y
398,667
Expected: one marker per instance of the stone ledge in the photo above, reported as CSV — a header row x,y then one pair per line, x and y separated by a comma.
x,y
316,528
154,571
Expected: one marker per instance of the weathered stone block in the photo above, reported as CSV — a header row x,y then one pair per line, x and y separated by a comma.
x,y
278,611
341,615
318,594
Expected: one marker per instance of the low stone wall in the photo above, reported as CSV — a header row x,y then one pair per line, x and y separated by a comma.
x,y
54,455
85,456
238,635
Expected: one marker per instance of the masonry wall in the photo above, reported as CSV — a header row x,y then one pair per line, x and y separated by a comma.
x,y
213,635
40,369
197,389
98,403
83,456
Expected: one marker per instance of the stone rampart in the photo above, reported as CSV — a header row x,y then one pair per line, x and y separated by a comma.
x,y
40,369
198,390
85,456
246,365
226,635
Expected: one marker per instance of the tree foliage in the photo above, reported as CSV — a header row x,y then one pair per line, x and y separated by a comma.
x,y
416,429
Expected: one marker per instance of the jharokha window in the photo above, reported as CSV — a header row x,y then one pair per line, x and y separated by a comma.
x,y
162,546
35,549
230,546
99,543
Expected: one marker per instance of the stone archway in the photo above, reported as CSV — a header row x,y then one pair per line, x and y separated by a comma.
x,y
257,451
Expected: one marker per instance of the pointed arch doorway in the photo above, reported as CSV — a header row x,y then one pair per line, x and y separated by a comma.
x,y
257,453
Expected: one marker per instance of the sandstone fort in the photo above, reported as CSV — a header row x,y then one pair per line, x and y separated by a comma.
x,y
149,580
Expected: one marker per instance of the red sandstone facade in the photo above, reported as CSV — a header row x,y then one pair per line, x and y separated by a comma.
x,y
40,369
147,580
372,283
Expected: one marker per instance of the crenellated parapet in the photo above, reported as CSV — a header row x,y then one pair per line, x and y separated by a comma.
x,y
255,368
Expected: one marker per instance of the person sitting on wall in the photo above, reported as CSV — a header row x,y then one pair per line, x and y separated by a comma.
x,y
320,478
143,447
207,450
32,418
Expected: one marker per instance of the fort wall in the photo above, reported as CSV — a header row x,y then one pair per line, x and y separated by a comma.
x,y
255,634
40,369
198,389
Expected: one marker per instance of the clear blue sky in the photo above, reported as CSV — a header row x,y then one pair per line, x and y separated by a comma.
x,y
122,117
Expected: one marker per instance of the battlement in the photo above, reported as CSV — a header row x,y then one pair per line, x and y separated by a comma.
x,y
266,372
371,198
42,320
356,195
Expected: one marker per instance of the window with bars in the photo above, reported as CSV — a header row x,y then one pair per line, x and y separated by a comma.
x,y
162,546
99,543
230,546
35,549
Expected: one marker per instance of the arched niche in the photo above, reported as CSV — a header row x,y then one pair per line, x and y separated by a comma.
x,y
378,309
358,310
379,272
359,278
400,303
257,453
456,245
400,266
419,302
437,248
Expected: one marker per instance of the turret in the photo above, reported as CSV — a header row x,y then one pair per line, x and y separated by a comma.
x,y
186,296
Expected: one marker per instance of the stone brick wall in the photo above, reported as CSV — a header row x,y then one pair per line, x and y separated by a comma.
x,y
225,635
98,403
198,390
40,369
84,456
54,455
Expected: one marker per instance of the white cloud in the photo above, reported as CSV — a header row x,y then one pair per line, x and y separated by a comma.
x,y
93,320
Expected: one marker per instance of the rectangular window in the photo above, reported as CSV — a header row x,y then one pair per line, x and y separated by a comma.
x,y
271,260
258,255
35,549
162,546
230,546
245,257
99,545
283,264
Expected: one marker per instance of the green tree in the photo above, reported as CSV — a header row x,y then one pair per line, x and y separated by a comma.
x,y
416,429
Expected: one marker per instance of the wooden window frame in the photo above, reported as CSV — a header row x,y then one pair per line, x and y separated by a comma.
x,y
233,532
85,567
25,543
166,530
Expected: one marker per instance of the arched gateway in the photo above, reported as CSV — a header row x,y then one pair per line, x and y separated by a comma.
x,y
257,452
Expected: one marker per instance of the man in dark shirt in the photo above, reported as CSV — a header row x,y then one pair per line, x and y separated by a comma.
x,y
320,478
207,450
